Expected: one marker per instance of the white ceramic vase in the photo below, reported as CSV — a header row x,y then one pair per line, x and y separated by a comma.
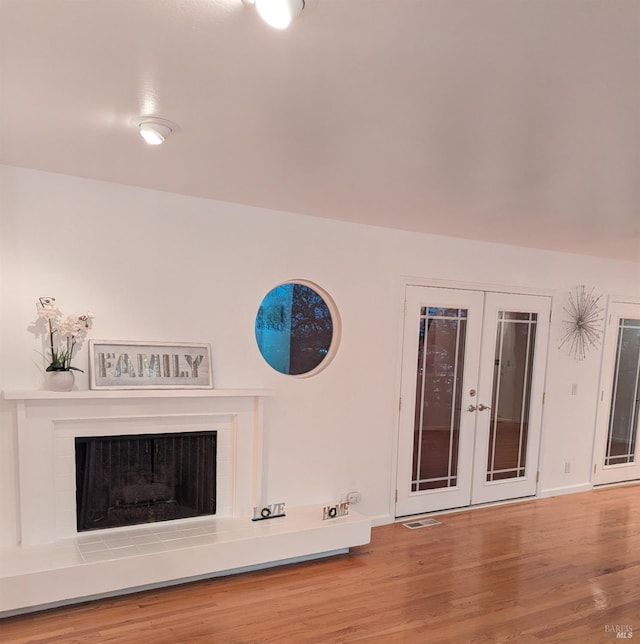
x,y
59,380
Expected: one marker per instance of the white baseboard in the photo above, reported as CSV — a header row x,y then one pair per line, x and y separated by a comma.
x,y
565,489
381,519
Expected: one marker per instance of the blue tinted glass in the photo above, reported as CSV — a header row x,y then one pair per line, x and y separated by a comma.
x,y
294,328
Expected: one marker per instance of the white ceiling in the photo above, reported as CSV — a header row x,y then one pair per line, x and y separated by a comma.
x,y
514,121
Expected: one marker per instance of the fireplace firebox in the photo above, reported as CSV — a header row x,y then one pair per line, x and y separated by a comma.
x,y
144,478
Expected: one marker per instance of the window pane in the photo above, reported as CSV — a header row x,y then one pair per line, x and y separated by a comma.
x,y
509,429
623,416
438,398
294,328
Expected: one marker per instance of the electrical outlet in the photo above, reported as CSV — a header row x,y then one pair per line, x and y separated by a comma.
x,y
354,497
574,389
567,468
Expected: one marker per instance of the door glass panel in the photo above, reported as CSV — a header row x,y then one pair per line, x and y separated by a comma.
x,y
623,415
440,367
509,425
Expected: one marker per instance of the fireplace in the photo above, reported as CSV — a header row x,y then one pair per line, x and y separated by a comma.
x,y
144,478
54,562
49,426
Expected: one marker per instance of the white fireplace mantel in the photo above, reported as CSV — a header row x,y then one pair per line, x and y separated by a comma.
x,y
55,564
48,422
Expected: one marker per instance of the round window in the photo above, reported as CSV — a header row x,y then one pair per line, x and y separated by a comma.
x,y
297,328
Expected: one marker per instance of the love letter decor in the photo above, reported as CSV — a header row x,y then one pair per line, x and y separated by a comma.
x,y
272,511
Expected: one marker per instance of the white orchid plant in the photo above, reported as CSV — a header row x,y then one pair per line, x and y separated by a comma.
x,y
70,331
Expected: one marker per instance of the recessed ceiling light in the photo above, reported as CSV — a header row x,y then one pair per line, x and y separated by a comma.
x,y
153,133
279,13
154,130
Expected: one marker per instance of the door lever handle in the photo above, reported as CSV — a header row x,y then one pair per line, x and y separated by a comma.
x,y
471,408
482,407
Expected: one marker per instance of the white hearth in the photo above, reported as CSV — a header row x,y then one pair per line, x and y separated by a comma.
x,y
53,563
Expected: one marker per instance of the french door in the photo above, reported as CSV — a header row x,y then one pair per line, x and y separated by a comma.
x,y
471,397
617,451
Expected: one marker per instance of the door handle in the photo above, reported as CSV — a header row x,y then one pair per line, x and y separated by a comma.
x,y
471,408
482,407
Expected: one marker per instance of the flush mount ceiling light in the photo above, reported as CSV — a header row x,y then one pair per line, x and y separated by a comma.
x,y
279,13
154,130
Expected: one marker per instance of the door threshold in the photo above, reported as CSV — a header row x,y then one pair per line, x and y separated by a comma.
x,y
464,508
616,483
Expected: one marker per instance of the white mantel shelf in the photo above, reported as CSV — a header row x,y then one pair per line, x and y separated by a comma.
x,y
94,394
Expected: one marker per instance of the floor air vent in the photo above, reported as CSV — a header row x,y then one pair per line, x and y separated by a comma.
x,y
423,523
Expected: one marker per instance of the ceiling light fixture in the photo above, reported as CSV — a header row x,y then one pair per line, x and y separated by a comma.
x,y
279,13
154,131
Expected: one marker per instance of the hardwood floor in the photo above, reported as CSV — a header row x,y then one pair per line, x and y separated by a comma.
x,y
563,569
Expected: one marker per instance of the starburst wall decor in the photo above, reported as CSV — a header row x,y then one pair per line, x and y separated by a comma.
x,y
582,322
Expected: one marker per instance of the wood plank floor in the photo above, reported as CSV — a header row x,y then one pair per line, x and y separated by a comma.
x,y
563,569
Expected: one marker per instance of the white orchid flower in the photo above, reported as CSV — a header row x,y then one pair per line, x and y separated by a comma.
x,y
70,330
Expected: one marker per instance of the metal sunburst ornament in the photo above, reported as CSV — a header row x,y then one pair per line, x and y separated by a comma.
x,y
582,324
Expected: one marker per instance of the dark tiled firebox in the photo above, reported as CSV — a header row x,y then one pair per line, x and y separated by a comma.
x,y
144,478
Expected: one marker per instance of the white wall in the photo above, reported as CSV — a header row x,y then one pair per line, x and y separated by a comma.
x,y
163,267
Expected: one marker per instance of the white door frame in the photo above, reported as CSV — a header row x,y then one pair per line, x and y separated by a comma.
x,y
482,490
610,335
412,280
